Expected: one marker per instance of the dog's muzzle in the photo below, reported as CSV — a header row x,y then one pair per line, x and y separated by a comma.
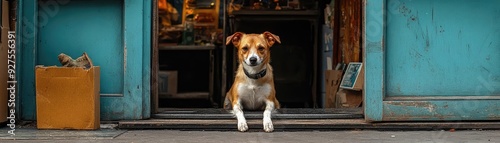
x,y
253,61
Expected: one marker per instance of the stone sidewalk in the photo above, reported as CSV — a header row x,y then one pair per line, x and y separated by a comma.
x,y
173,136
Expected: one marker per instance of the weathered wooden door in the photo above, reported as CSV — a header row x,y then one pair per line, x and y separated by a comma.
x,y
114,33
432,60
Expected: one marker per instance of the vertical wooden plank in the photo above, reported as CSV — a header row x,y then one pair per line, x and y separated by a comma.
x,y
224,57
154,60
337,57
374,58
4,48
356,29
345,31
134,43
350,30
26,58
146,65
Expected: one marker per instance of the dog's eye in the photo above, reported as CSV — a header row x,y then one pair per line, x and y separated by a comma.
x,y
245,49
261,48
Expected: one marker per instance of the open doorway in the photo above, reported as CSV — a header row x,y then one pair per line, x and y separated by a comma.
x,y
188,53
194,69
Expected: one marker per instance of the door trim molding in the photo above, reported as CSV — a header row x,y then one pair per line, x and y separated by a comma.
x,y
440,110
373,58
112,95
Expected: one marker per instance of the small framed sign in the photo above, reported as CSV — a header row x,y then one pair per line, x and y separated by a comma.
x,y
353,77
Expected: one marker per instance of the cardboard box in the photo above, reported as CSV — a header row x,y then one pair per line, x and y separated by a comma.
x,y
3,61
167,83
349,98
67,98
354,77
333,78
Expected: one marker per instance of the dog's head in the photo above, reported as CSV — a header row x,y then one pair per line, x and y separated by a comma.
x,y
253,49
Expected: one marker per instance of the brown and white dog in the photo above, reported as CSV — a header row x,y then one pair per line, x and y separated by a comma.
x,y
253,87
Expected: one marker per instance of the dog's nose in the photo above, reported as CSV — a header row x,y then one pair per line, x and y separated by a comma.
x,y
253,60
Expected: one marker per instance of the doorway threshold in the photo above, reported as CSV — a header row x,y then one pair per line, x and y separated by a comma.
x,y
285,113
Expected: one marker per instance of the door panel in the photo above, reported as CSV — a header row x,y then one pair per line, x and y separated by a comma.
x,y
433,60
443,48
115,34
94,27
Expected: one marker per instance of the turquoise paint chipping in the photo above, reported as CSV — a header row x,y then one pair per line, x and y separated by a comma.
x,y
432,60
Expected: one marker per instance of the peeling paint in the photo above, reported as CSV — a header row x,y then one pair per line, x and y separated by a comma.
x,y
430,107
432,14
124,58
413,18
441,29
427,40
404,10
374,47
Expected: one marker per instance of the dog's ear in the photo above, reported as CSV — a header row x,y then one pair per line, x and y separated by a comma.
x,y
235,38
271,38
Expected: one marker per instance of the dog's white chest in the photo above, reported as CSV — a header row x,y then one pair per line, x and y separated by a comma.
x,y
253,97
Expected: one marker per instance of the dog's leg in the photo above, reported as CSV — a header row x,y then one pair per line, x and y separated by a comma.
x,y
268,124
238,112
227,102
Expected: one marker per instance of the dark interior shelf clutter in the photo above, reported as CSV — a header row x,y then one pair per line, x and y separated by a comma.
x,y
294,61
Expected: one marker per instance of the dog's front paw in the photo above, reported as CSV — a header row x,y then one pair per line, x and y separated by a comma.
x,y
242,126
268,125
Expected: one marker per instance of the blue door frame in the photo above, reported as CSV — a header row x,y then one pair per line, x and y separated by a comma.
x,y
432,60
39,39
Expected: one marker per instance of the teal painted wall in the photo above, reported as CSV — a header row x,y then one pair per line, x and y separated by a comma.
x,y
115,33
